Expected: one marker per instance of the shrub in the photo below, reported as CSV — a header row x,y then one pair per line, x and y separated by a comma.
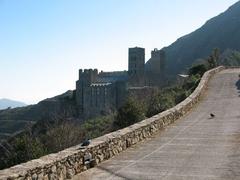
x,y
130,113
161,101
98,126
198,69
21,149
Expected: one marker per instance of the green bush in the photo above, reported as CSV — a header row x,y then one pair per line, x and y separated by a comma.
x,y
162,101
191,83
130,113
22,149
98,126
198,69
180,96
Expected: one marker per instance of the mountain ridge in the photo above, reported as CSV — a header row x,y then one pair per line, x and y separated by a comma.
x,y
221,31
9,103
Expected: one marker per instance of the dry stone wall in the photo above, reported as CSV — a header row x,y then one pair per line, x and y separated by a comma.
x,y
71,161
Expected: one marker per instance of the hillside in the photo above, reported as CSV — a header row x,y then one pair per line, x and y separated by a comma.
x,y
16,119
222,31
7,103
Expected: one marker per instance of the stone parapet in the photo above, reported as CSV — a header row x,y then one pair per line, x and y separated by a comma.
x,y
65,164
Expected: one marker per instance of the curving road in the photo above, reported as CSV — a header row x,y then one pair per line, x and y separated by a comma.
x,y
193,148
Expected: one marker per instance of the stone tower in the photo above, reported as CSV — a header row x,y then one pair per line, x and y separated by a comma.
x,y
136,61
83,89
158,61
156,68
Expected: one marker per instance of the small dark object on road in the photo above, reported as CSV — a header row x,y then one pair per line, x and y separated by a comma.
x,y
212,115
86,142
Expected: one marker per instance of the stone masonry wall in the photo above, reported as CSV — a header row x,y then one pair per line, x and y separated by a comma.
x,y
66,163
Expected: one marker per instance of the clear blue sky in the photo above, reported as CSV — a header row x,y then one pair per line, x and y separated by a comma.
x,y
43,43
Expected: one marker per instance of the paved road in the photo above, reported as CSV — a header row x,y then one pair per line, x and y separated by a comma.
x,y
193,148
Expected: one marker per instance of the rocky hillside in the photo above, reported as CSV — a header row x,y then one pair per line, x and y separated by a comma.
x,y
16,119
222,31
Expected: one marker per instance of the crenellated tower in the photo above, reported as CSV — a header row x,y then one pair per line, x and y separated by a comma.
x,y
83,87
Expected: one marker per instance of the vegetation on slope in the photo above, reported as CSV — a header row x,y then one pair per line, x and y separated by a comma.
x,y
230,58
15,120
62,130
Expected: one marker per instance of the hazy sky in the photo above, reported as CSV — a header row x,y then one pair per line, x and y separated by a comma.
x,y
43,43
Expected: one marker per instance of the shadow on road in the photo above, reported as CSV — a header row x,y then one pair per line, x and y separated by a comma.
x,y
238,86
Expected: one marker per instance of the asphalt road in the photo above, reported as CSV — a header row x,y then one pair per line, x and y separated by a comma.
x,y
194,147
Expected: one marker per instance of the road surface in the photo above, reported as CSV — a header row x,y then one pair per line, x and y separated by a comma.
x,y
195,147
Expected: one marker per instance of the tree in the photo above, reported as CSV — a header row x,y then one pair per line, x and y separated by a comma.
x,y
213,59
98,126
216,55
60,131
130,113
162,101
154,106
21,149
62,135
197,69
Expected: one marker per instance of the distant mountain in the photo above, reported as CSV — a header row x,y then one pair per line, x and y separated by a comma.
x,y
6,103
13,120
222,31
